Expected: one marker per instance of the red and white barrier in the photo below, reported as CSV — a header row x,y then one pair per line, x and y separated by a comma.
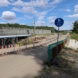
x,y
2,54
7,46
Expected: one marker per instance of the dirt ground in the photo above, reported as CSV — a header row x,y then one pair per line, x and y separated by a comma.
x,y
67,66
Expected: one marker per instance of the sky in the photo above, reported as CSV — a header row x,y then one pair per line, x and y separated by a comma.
x,y
43,11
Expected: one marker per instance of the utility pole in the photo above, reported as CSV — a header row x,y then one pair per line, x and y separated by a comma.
x,y
34,26
34,32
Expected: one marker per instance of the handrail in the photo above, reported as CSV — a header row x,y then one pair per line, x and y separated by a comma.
x,y
54,45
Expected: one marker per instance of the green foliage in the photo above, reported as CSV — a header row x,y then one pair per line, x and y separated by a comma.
x,y
46,28
24,42
75,27
63,32
26,26
74,36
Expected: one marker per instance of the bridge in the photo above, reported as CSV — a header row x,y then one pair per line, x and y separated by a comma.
x,y
20,64
9,35
20,60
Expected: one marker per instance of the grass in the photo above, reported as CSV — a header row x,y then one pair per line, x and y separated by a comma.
x,y
74,36
28,41
74,50
24,42
64,33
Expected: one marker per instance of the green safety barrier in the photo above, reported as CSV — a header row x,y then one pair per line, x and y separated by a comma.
x,y
51,46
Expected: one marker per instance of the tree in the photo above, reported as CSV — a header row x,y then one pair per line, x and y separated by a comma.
x,y
75,26
16,25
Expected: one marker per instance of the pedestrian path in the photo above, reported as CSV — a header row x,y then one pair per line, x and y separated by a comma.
x,y
26,63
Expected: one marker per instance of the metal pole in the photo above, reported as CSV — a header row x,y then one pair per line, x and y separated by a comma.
x,y
34,26
58,35
34,29
34,32
57,40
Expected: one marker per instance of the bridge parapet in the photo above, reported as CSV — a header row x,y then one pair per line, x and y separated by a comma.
x,y
20,31
52,49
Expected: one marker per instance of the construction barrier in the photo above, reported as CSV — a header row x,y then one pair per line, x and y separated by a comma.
x,y
53,49
7,46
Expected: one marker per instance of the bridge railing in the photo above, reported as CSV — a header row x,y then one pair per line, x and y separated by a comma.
x,y
54,50
18,31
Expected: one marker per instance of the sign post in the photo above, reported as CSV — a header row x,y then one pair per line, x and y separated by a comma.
x,y
58,22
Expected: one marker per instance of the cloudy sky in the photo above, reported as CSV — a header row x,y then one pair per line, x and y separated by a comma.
x,y
44,12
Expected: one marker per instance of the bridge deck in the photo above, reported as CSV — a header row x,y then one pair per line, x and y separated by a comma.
x,y
13,36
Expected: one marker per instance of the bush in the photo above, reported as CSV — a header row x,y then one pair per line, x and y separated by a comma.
x,y
74,36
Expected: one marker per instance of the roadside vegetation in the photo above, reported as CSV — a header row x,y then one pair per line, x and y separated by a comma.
x,y
74,36
64,32
31,39
74,33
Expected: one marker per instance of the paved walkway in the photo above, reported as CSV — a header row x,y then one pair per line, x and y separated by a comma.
x,y
25,64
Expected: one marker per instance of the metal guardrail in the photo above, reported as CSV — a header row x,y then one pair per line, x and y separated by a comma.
x,y
52,49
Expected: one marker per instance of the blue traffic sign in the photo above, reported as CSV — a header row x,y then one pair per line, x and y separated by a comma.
x,y
59,22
